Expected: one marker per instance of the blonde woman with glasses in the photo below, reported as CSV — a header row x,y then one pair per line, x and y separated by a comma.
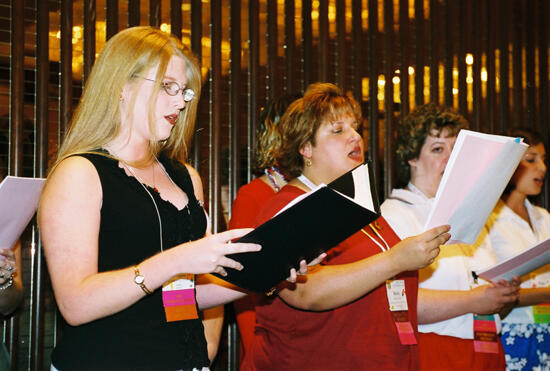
x,y
121,216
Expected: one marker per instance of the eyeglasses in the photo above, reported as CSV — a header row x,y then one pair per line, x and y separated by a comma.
x,y
172,88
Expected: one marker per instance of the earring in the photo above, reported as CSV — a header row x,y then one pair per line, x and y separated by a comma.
x,y
308,162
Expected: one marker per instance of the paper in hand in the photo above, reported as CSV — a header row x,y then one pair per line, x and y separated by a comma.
x,y
18,202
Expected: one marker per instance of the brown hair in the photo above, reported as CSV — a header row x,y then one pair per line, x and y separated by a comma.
x,y
531,138
425,120
321,103
267,132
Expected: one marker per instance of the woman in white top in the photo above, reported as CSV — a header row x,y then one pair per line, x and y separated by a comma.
x,y
514,226
447,295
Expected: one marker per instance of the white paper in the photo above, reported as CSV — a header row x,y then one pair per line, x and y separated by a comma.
x,y
18,202
477,172
361,182
519,265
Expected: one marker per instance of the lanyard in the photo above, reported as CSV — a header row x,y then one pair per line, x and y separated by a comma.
x,y
307,182
386,248
272,179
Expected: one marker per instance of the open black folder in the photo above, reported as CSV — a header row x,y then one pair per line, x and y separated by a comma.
x,y
318,221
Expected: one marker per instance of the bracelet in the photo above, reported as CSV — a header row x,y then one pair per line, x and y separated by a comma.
x,y
139,280
7,284
271,291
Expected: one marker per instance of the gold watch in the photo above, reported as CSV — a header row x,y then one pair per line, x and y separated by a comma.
x,y
139,280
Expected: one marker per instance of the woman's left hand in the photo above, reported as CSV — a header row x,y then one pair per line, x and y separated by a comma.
x,y
303,267
7,265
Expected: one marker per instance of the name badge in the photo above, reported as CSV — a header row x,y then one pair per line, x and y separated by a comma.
x,y
397,296
397,299
485,334
178,298
541,312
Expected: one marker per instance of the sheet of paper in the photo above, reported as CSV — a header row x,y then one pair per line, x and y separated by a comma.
x,y
519,265
478,170
18,202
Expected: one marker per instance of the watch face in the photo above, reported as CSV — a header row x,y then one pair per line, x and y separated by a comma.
x,y
139,279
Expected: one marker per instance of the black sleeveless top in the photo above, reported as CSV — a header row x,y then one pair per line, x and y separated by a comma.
x,y
137,338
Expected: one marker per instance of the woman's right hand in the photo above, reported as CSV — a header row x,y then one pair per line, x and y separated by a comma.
x,y
493,298
419,251
208,255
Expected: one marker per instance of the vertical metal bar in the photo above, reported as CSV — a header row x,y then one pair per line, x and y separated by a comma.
x,y
503,27
404,33
388,98
543,101
235,98
529,65
419,52
175,18
17,88
373,88
17,91
356,56
433,55
307,43
290,85
196,28
323,41
341,49
448,51
477,42
253,76
271,83
133,13
517,65
154,13
36,335
66,64
89,36
111,18
214,187
490,47
462,24
235,145
196,47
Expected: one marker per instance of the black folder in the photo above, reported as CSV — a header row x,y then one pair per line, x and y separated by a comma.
x,y
316,223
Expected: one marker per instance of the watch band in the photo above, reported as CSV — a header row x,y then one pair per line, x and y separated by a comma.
x,y
139,280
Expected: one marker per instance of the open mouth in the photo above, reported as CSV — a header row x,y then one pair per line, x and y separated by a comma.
x,y
356,155
539,181
172,119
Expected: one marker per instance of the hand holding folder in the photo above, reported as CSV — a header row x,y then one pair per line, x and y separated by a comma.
x,y
316,222
477,172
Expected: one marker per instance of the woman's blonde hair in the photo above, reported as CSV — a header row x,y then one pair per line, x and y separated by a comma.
x,y
321,103
128,54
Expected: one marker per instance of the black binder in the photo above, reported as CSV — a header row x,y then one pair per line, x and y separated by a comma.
x,y
319,221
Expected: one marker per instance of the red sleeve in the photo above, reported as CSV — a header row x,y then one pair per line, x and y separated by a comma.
x,y
245,209
276,203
